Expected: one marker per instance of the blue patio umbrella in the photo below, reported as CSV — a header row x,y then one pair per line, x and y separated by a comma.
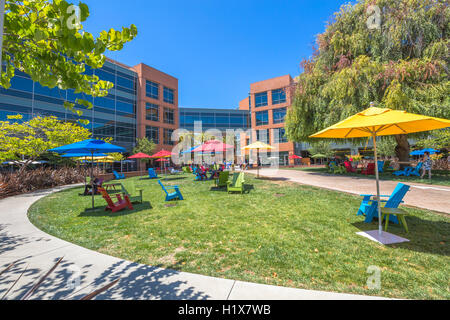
x,y
189,150
81,155
91,147
422,152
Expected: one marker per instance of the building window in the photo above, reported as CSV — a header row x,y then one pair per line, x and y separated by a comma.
x,y
152,90
278,96
262,118
152,133
279,135
262,135
151,112
279,115
168,137
168,95
169,116
261,99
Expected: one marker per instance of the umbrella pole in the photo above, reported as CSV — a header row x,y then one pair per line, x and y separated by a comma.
x,y
92,178
377,176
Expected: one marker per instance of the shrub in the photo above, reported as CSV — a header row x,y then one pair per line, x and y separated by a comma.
x,y
43,178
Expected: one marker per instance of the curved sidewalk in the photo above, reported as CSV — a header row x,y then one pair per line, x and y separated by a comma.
x,y
83,271
431,197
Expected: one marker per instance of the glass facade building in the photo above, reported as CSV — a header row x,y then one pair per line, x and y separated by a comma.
x,y
112,116
221,119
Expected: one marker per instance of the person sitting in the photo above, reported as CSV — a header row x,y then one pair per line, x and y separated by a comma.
x,y
97,182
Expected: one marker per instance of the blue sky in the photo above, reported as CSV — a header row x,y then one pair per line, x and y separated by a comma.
x,y
215,48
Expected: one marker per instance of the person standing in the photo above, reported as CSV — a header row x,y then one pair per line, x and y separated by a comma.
x,y
427,164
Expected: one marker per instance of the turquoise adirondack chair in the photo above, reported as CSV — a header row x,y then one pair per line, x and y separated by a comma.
x,y
152,174
416,171
237,183
118,176
171,195
380,166
404,172
368,206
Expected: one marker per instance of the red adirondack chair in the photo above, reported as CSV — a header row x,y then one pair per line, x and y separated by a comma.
x,y
122,203
369,170
348,167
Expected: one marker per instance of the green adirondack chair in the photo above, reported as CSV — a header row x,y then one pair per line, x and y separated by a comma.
x,y
237,183
223,179
133,198
187,170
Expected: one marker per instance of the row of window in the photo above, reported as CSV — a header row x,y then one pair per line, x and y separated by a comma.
x,y
278,96
278,116
279,135
231,120
152,91
152,133
152,113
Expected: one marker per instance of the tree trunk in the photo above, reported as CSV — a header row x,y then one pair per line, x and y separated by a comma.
x,y
402,149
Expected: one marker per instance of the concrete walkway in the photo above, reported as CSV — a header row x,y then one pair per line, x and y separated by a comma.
x,y
83,271
431,197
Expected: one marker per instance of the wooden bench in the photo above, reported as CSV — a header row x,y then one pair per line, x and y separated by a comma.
x,y
399,213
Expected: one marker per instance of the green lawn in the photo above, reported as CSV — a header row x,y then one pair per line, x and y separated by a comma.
x,y
438,178
278,233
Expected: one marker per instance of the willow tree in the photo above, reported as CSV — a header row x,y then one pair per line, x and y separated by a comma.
x,y
391,52
46,40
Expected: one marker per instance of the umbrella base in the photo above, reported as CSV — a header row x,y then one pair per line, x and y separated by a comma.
x,y
385,237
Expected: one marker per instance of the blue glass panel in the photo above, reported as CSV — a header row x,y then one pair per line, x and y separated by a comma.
x,y
261,99
278,96
279,115
22,84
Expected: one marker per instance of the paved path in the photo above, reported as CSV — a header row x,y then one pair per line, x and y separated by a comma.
x,y
424,196
38,252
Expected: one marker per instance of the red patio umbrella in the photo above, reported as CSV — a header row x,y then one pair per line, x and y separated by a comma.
x,y
140,155
162,154
294,157
213,146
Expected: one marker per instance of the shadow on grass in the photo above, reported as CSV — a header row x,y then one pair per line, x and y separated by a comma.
x,y
174,178
424,235
100,211
218,189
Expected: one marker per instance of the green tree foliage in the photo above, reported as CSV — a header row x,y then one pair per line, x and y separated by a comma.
x,y
439,139
144,145
28,140
386,146
321,147
46,40
401,65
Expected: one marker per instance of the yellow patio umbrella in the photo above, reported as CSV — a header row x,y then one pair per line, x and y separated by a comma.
x,y
374,122
257,146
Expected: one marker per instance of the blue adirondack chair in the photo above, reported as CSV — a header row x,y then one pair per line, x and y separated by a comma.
x,y
152,174
118,176
368,205
416,171
404,172
380,166
173,195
